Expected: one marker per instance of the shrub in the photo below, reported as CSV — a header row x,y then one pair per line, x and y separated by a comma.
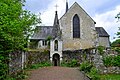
x,y
42,64
112,61
85,66
90,70
3,67
64,64
72,63
107,61
116,61
19,76
94,74
100,50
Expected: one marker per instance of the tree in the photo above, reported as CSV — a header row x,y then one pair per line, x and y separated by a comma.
x,y
15,29
118,17
116,43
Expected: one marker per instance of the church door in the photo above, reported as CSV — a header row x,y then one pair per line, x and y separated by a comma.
x,y
56,59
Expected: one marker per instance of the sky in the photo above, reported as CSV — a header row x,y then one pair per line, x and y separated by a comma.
x,y
103,12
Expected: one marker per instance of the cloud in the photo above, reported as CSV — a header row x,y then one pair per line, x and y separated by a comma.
x,y
48,15
108,21
36,5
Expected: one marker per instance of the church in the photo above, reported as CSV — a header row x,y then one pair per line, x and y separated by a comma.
x,y
75,30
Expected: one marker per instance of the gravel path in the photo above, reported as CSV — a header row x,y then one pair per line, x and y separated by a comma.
x,y
56,73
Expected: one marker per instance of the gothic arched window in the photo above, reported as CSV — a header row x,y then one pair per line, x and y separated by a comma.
x,y
76,26
56,45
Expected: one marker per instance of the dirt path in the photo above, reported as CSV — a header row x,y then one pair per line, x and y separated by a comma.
x,y
57,73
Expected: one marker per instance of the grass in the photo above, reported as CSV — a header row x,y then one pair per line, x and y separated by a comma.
x,y
110,77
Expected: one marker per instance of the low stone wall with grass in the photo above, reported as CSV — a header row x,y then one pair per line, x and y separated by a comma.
x,y
37,56
78,55
107,62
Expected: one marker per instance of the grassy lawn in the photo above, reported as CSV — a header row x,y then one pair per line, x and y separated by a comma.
x,y
110,77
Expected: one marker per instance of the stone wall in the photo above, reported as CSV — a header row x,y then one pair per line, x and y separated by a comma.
x,y
19,60
79,55
95,58
16,62
34,57
104,41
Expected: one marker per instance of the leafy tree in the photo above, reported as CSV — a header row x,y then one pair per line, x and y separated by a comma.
x,y
118,17
15,29
116,43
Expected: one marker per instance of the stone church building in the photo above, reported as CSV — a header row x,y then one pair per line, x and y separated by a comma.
x,y
75,30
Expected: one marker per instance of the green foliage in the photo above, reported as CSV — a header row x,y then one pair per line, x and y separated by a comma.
x,y
85,66
72,63
117,49
15,29
3,67
100,49
42,64
64,64
110,77
48,39
94,74
90,70
115,43
19,76
112,61
107,61
117,61
15,25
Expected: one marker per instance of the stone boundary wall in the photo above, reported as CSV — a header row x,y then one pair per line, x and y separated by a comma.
x,y
79,55
96,58
34,57
15,62
19,59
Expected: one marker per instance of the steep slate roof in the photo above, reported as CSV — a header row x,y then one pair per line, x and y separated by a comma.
x,y
101,32
42,32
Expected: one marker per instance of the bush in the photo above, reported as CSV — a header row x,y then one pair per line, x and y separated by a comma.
x,y
116,61
112,61
94,74
90,70
19,76
100,50
64,64
72,63
85,66
42,64
107,61
3,67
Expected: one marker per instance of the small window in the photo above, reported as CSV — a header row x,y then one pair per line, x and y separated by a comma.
x,y
44,43
56,45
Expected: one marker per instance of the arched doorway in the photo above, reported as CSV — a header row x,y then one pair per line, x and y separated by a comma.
x,y
56,59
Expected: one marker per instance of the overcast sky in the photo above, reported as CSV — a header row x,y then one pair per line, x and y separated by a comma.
x,y
102,11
